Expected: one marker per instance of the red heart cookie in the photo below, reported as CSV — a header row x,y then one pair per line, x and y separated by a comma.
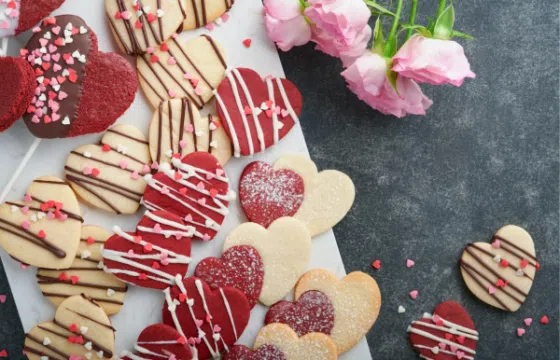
x,y
158,342
22,15
210,320
198,192
312,312
265,352
18,84
267,194
256,114
240,267
155,255
79,89
448,334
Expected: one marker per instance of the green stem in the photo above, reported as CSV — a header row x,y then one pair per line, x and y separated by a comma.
x,y
442,4
394,28
412,18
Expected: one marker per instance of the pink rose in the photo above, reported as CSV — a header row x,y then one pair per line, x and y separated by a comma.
x,y
433,61
285,23
348,51
367,78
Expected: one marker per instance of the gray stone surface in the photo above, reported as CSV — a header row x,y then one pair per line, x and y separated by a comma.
x,y
486,155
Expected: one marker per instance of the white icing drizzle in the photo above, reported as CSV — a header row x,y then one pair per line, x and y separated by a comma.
x,y
439,339
172,307
260,134
445,329
275,125
230,314
452,324
193,170
185,231
467,357
143,350
286,100
5,17
236,148
241,111
151,206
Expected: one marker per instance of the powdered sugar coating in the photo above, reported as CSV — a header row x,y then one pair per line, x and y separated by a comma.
x,y
267,194
312,312
265,352
240,267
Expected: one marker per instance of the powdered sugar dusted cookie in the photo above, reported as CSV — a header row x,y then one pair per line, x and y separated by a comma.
x,y
17,16
285,248
501,273
44,229
155,255
109,175
314,346
265,352
178,128
175,70
240,267
141,25
210,320
18,86
80,330
312,312
202,12
328,196
356,300
85,275
159,341
267,194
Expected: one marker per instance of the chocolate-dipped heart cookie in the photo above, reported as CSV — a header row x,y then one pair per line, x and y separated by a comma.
x,y
159,341
17,16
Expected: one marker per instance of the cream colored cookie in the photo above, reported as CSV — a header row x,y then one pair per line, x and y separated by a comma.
x,y
178,128
202,12
510,257
139,25
314,346
44,229
176,70
121,159
328,196
284,247
356,300
80,329
85,276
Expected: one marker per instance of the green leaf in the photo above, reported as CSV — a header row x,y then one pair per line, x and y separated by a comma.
x,y
459,34
422,30
444,24
372,4
378,38
392,77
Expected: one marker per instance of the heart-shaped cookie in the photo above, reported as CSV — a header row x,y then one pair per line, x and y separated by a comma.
x,y
356,300
328,197
80,89
285,249
140,26
267,194
198,192
154,255
501,273
448,334
178,128
176,70
18,86
310,346
256,114
80,330
21,15
202,12
85,276
109,175
240,267
210,320
265,352
44,229
312,312
158,342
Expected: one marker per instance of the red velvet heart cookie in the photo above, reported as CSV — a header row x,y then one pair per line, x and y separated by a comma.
x,y
240,267
158,342
448,334
256,114
155,255
198,192
18,83
79,89
210,320
21,15
265,352
312,312
267,194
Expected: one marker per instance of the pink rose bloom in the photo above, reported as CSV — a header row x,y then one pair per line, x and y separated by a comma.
x,y
432,61
285,23
367,78
348,51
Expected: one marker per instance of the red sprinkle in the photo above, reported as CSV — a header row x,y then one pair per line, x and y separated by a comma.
x,y
63,276
182,297
183,191
544,320
182,340
376,264
164,47
461,339
154,58
137,239
524,263
151,18
247,42
95,172
4,353
138,24
155,265
178,176
90,240
142,276
501,283
504,263
80,340
42,234
148,247
176,156
448,336
537,265
71,339
213,193
74,279
106,148
73,327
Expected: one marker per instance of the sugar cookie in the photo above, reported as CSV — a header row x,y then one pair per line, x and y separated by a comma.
x,y
202,12
159,341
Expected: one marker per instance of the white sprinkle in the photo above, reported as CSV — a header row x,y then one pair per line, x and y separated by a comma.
x,y
401,309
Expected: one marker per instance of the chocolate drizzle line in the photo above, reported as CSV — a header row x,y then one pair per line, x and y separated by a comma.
x,y
43,279
160,130
121,154
101,161
515,247
70,215
127,136
184,103
117,186
33,238
195,10
182,9
121,39
159,20
151,87
31,350
96,346
216,50
136,49
189,60
203,3
195,140
209,133
81,183
90,319
170,117
50,182
50,347
47,294
157,39
492,256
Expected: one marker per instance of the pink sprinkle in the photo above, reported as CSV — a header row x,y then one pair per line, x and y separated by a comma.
x,y
206,237
126,15
56,30
198,322
209,176
200,185
172,357
442,346
528,321
436,319
172,93
25,225
150,50
25,210
225,17
165,190
520,332
188,76
210,26
165,262
191,341
123,164
183,144
413,294
491,289
50,215
178,235
269,77
198,91
53,48
157,228
27,198
62,95
146,169
174,35
3,298
155,165
130,253
496,244
202,201
189,128
217,328
453,348
135,175
409,263
219,172
284,113
35,119
171,61
86,171
163,255
188,218
460,354
43,42
63,217
36,29
23,266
